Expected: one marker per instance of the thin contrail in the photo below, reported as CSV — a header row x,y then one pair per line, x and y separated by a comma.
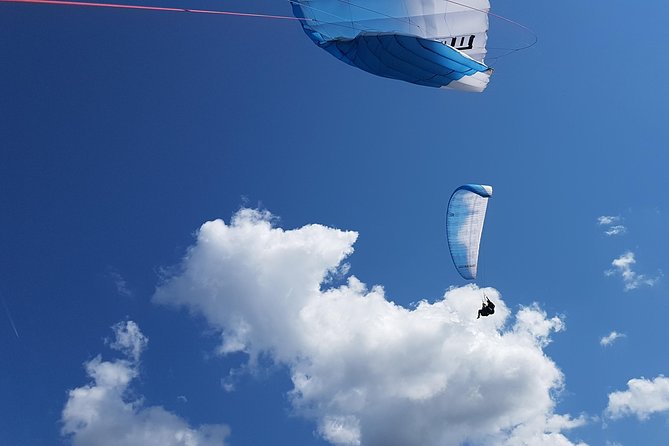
x,y
9,316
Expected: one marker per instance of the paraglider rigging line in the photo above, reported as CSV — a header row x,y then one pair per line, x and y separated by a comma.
x,y
508,20
157,8
407,20
352,25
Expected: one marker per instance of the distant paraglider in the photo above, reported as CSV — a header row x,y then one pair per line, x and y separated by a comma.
x,y
436,43
465,216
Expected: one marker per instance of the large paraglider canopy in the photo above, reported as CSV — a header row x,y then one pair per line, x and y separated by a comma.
x,y
437,43
464,225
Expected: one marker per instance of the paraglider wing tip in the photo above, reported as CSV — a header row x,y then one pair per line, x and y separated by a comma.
x,y
474,83
480,189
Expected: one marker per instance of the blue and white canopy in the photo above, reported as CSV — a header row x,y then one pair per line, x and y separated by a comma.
x,y
437,43
464,224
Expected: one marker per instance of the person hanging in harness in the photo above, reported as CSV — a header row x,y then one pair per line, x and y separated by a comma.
x,y
487,308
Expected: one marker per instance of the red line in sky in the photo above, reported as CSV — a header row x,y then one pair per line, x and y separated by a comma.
x,y
151,8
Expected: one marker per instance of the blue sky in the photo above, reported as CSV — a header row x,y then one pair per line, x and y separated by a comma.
x,y
122,132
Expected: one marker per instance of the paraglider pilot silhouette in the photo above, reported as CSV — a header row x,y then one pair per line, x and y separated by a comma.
x,y
487,308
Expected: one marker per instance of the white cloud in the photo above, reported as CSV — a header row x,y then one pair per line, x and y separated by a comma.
x,y
632,280
365,369
120,282
129,339
611,221
610,338
607,220
100,414
642,398
615,230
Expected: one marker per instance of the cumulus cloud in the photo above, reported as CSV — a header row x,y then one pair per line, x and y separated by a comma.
x,y
367,371
642,398
102,414
610,338
632,280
